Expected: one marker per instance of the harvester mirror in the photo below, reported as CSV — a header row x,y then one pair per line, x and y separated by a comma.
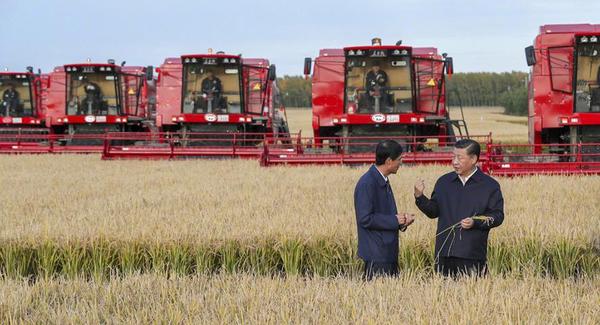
x,y
272,72
149,72
449,66
307,66
530,55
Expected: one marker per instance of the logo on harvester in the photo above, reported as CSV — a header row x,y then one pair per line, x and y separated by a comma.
x,y
378,118
89,118
210,117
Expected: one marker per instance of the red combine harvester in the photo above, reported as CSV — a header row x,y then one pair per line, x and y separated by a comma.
x,y
362,94
564,106
21,114
85,101
211,105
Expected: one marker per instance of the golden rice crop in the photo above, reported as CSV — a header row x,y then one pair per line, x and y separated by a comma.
x,y
227,299
236,212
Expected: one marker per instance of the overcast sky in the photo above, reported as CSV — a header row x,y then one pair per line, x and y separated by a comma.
x,y
481,36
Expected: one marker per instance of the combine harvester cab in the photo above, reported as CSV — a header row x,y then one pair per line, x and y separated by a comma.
x,y
363,94
84,102
22,122
564,106
212,105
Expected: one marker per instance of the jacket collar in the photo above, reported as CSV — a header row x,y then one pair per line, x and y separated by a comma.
x,y
377,175
476,177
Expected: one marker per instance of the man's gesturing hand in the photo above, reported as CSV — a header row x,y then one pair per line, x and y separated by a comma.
x,y
419,187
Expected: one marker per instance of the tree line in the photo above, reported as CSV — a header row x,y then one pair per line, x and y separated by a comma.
x,y
507,89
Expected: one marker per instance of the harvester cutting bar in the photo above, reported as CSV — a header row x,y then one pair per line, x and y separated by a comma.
x,y
361,150
170,145
50,143
548,159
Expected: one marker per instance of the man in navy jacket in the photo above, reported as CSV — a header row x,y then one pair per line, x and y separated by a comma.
x,y
377,218
461,241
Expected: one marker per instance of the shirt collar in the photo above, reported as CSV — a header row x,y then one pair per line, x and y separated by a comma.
x,y
464,182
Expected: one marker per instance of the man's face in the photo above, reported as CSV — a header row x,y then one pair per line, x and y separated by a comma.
x,y
375,68
462,162
393,165
210,75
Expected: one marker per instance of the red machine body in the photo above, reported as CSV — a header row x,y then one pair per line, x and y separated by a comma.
x,y
21,109
564,89
95,98
248,103
415,96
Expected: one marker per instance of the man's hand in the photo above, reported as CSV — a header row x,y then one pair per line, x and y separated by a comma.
x,y
419,187
405,219
467,223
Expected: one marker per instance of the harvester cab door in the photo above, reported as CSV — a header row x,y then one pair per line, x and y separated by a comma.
x,y
132,90
429,84
255,89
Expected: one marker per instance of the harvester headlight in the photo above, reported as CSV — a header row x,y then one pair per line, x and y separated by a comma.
x,y
564,120
174,119
187,60
124,120
59,120
118,120
241,119
181,118
248,119
108,69
66,120
194,60
101,68
593,39
336,120
584,39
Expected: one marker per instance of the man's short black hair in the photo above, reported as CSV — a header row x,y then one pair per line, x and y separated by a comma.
x,y
387,149
472,146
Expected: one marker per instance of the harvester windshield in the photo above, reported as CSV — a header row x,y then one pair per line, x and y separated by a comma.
x,y
587,97
93,91
16,92
212,85
378,81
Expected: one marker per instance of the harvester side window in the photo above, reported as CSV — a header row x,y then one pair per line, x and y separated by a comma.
x,y
561,71
587,92
211,89
16,97
92,94
391,92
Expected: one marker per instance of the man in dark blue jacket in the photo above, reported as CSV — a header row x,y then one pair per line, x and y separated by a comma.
x,y
377,218
467,203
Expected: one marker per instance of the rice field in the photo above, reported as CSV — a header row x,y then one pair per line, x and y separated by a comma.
x,y
226,241
236,299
